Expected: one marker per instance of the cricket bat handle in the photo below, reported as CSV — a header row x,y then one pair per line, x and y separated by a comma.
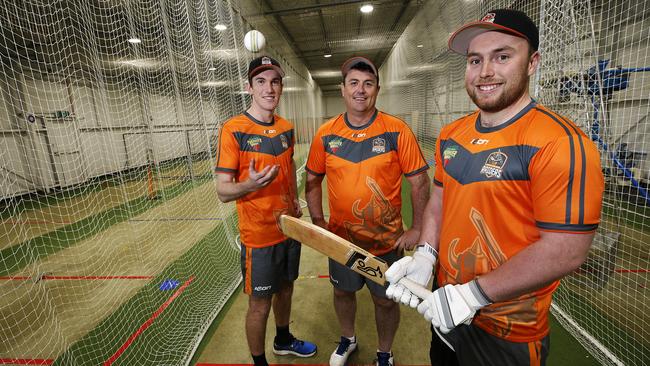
x,y
416,289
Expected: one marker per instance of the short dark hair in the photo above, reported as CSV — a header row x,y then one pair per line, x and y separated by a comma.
x,y
359,63
362,66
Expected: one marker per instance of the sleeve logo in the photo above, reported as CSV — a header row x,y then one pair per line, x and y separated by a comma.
x,y
494,164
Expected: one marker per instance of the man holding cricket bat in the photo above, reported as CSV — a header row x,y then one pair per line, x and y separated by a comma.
x,y
516,202
255,167
364,153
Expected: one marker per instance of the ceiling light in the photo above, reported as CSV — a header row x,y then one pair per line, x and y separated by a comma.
x,y
420,46
327,55
220,27
135,40
212,68
367,8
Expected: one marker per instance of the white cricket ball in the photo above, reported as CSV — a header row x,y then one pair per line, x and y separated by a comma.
x,y
254,41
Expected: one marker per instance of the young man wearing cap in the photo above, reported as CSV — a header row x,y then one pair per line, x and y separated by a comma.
x,y
516,201
364,153
255,167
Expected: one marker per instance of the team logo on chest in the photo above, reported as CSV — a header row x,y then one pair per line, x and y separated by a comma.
x,y
255,143
379,145
448,154
283,140
335,144
494,164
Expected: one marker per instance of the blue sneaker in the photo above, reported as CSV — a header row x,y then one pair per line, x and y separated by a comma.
x,y
296,347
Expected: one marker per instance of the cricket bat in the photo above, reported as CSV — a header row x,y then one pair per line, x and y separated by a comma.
x,y
344,252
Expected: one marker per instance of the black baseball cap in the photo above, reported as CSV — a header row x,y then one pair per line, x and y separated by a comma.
x,y
263,63
356,60
509,21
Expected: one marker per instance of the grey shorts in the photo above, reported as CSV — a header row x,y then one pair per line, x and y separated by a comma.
x,y
265,269
345,279
476,347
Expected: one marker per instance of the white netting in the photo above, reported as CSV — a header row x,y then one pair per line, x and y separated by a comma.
x,y
113,245
595,70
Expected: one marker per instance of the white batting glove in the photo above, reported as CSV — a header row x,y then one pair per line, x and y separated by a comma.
x,y
417,268
452,305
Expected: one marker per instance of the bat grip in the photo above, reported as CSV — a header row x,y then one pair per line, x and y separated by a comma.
x,y
416,289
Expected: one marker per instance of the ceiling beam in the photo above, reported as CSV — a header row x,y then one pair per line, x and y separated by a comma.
x,y
322,27
287,34
319,53
402,10
310,7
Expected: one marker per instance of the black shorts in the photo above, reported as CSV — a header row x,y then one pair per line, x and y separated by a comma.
x,y
265,269
476,347
343,278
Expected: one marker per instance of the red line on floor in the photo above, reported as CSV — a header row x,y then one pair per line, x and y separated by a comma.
x,y
47,277
632,270
323,276
96,277
148,323
25,361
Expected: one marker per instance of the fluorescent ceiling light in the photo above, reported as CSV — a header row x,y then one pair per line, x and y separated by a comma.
x,y
326,74
220,27
327,55
140,63
212,68
420,46
292,89
224,54
367,8
215,83
135,40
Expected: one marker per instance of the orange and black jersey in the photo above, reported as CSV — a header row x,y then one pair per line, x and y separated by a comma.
x,y
241,139
502,186
364,167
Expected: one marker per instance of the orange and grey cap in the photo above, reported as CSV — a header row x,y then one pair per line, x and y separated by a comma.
x,y
508,21
263,63
358,60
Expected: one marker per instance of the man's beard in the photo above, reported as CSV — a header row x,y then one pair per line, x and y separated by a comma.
x,y
519,86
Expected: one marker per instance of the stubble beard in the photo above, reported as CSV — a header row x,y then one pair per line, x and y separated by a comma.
x,y
507,97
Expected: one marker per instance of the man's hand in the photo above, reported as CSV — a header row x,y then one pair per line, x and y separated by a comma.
x,y
407,240
261,179
452,305
417,268
297,211
319,221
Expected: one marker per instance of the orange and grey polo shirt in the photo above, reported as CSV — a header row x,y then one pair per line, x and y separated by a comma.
x,y
241,139
502,186
364,167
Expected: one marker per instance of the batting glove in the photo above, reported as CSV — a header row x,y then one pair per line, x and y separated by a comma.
x,y
452,305
417,268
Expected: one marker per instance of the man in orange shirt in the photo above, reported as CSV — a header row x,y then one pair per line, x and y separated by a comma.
x,y
364,153
255,167
515,205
